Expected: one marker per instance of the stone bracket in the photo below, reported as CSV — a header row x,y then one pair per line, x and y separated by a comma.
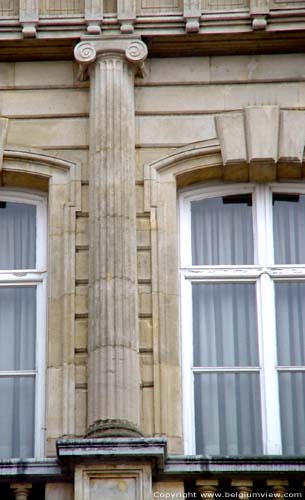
x,y
29,15
90,48
259,10
192,13
94,16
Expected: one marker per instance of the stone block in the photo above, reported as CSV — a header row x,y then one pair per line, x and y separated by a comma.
x,y
82,230
43,74
59,491
81,333
176,130
44,103
144,264
82,265
145,333
81,411
147,411
166,70
145,303
231,134
262,129
81,299
143,232
47,132
292,135
173,488
146,365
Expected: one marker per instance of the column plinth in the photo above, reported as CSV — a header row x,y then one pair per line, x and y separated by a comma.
x,y
113,364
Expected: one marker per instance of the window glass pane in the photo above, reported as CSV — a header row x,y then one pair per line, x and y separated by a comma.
x,y
227,414
289,228
16,417
292,403
290,320
17,236
222,231
224,324
17,328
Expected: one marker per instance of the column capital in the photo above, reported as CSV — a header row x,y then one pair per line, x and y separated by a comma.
x,y
92,47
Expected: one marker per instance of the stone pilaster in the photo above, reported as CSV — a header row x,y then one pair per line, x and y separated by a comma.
x,y
113,388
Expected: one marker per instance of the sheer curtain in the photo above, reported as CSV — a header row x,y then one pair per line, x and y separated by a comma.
x,y
222,231
17,332
288,229
290,317
18,236
17,352
227,405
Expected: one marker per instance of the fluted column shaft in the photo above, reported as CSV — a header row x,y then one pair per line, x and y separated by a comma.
x,y
114,381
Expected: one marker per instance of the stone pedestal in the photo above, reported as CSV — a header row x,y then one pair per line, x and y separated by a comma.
x,y
113,387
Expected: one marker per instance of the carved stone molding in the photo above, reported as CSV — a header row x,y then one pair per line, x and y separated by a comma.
x,y
91,48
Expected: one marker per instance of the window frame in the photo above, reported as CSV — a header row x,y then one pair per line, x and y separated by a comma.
x,y
36,277
264,273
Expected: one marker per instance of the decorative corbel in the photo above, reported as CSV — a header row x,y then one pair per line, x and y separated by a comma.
x,y
192,13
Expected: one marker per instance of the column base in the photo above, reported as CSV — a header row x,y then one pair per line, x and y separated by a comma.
x,y
112,428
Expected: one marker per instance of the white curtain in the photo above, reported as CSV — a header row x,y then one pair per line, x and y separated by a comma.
x,y
289,230
227,405
222,232
17,352
290,317
18,236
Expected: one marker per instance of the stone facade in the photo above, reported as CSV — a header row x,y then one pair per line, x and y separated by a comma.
x,y
110,108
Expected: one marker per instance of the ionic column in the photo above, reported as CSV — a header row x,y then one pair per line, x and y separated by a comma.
x,y
113,381
21,490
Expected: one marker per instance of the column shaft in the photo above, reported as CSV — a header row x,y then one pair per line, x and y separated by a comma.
x,y
113,391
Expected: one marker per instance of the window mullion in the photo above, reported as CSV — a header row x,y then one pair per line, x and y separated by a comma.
x,y
263,226
268,358
187,364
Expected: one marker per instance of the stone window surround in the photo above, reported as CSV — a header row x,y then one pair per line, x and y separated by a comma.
x,y
32,169
260,144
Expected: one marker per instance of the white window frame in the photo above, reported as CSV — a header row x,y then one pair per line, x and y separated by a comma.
x,y
264,273
33,277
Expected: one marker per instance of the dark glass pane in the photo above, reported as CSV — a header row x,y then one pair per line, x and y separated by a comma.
x,y
222,231
224,324
17,236
227,414
289,228
17,328
292,404
290,323
17,395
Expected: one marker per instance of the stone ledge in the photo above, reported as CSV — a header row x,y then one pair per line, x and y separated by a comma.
x,y
184,465
131,449
31,469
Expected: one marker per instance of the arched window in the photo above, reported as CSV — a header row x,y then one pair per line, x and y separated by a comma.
x,y
23,266
242,256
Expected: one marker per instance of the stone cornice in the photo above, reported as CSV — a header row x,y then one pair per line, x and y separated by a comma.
x,y
92,47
